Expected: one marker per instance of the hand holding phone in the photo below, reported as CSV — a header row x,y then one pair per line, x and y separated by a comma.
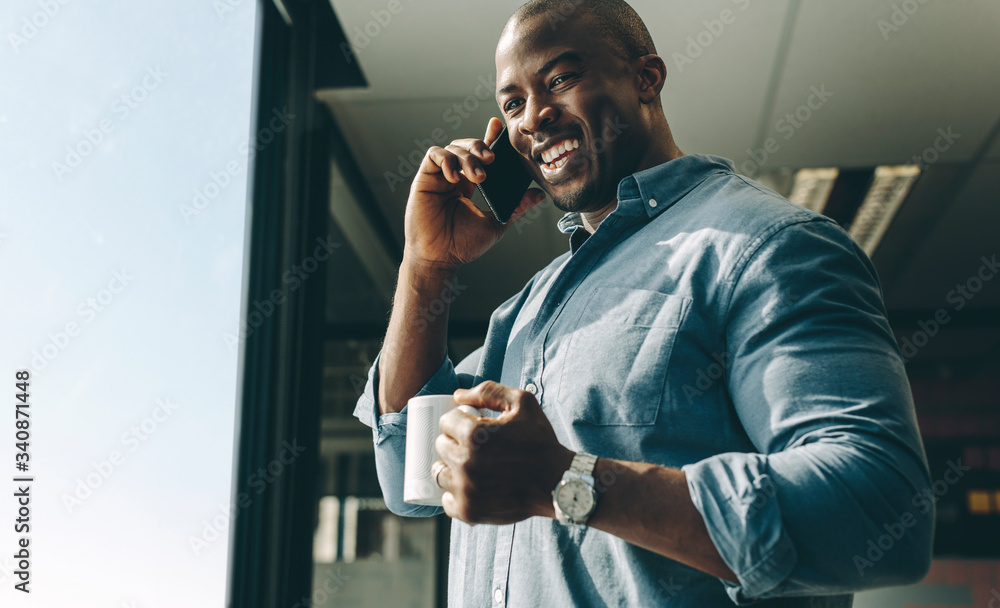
x,y
443,227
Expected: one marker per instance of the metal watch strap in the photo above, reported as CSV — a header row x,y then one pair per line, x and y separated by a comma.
x,y
583,464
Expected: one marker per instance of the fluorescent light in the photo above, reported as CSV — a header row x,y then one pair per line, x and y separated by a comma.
x,y
811,188
889,189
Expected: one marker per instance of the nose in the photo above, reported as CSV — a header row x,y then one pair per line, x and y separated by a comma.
x,y
538,114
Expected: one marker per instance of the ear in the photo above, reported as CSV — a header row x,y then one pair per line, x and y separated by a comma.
x,y
652,74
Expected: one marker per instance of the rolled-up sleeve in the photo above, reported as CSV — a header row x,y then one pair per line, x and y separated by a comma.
x,y
389,431
816,378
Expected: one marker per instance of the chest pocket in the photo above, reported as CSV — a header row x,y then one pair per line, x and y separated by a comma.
x,y
615,365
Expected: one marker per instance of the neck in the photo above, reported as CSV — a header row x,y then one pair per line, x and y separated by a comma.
x,y
653,157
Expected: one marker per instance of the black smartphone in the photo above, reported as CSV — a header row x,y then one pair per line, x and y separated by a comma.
x,y
507,179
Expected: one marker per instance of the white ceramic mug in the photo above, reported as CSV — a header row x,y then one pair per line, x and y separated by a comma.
x,y
423,417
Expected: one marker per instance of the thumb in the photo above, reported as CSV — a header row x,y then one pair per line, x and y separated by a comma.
x,y
493,128
531,199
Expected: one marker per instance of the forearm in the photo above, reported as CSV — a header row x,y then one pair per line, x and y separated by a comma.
x,y
416,339
650,506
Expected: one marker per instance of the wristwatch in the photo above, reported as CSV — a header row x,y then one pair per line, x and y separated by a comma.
x,y
575,498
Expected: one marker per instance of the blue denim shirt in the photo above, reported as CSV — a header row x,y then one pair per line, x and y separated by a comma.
x,y
710,325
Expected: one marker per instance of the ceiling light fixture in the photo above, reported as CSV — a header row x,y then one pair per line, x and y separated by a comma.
x,y
811,188
889,189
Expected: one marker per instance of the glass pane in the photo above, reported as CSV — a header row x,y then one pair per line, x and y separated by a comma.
x,y
364,556
122,217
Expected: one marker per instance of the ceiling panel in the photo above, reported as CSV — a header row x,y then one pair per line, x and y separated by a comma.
x,y
715,93
951,251
428,49
890,96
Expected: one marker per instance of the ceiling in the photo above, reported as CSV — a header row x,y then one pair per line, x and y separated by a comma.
x,y
891,92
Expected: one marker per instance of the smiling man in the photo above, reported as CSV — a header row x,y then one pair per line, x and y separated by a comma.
x,y
699,404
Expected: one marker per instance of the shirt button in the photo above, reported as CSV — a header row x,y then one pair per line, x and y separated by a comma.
x,y
652,202
531,388
498,595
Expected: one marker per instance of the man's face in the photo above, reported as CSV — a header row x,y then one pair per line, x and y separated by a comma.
x,y
569,101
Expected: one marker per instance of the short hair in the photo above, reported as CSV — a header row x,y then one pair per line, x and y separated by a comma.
x,y
617,22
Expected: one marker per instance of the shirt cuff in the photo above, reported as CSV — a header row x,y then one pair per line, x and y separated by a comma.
x,y
443,382
736,498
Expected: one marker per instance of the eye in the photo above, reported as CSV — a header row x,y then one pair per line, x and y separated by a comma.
x,y
560,79
511,105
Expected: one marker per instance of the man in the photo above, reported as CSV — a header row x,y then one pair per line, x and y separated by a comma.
x,y
722,353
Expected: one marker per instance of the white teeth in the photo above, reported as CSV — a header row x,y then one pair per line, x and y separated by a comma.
x,y
561,148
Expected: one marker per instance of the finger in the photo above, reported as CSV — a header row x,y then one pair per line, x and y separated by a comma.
x,y
468,409
531,199
482,151
477,147
491,395
448,163
443,478
493,128
471,166
457,425
447,450
450,504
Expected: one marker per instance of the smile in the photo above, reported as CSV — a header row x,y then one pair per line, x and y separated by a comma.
x,y
556,157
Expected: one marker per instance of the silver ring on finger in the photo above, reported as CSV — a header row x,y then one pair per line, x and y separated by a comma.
x,y
436,472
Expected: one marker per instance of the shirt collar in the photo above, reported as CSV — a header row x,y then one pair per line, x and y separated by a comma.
x,y
653,190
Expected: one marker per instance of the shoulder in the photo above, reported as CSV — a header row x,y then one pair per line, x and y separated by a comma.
x,y
733,218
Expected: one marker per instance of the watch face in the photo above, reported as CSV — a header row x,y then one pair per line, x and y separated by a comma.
x,y
575,499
